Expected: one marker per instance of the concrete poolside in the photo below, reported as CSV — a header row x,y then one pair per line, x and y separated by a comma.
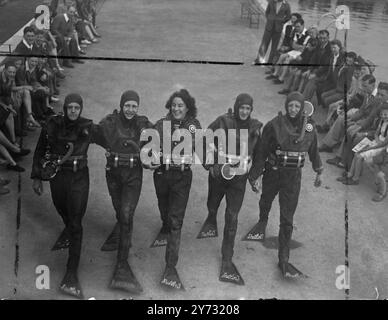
x,y
190,30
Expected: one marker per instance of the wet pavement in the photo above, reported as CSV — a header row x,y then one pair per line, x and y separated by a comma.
x,y
200,30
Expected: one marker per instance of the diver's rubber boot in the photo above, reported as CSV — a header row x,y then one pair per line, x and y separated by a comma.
x,y
124,279
112,242
209,229
170,279
161,238
257,233
229,273
289,271
63,241
71,286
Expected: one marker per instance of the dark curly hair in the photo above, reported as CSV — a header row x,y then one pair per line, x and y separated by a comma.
x,y
187,99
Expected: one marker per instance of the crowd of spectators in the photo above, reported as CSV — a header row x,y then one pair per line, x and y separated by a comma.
x,y
31,77
342,84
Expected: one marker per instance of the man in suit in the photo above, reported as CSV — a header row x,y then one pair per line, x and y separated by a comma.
x,y
63,30
337,61
278,12
338,130
362,124
322,59
26,47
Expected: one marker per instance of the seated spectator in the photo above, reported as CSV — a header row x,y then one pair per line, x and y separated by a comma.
x,y
46,78
379,167
26,76
3,183
26,47
9,149
368,155
16,96
356,129
354,95
285,42
337,131
344,82
84,23
300,38
62,27
364,127
46,45
91,6
321,60
52,64
327,80
299,65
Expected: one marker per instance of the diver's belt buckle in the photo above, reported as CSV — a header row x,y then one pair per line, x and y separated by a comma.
x,y
75,163
117,160
290,159
178,163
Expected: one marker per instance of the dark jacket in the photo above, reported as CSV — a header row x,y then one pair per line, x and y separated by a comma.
x,y
115,133
55,136
332,74
22,49
59,26
275,21
322,58
345,77
285,139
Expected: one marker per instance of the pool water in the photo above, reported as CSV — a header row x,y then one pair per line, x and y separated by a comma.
x,y
368,32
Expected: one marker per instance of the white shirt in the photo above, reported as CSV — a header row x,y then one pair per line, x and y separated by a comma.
x,y
278,5
27,45
335,61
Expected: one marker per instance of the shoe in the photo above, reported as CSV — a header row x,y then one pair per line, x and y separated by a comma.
x,y
379,197
78,61
82,52
21,153
85,42
350,182
323,128
4,190
68,65
83,46
340,165
271,77
95,40
325,148
4,182
284,91
333,161
97,35
16,168
342,179
269,72
278,81
60,74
